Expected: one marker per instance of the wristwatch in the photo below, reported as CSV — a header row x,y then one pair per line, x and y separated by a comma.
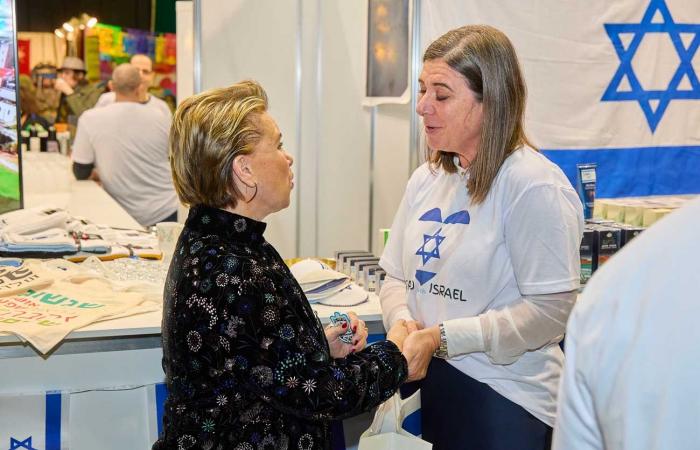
x,y
441,352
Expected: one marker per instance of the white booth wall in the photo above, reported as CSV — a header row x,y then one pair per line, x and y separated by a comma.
x,y
310,55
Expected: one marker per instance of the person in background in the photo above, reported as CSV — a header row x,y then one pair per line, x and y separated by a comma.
x,y
632,359
145,66
483,256
77,94
44,77
29,107
247,363
127,145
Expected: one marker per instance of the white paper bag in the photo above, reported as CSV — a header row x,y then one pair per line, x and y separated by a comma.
x,y
386,432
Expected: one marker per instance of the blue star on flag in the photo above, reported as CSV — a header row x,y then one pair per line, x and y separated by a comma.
x,y
435,252
685,38
26,444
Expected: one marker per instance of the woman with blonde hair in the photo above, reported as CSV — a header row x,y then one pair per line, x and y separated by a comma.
x,y
247,363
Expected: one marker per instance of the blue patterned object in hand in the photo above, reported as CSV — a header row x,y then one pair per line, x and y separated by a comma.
x,y
338,319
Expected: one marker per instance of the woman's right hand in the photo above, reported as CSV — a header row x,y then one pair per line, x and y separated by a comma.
x,y
398,333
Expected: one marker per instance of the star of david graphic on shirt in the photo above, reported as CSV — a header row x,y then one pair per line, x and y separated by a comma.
x,y
25,444
625,85
428,251
427,255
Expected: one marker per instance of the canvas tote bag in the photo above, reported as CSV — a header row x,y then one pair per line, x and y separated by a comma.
x,y
386,431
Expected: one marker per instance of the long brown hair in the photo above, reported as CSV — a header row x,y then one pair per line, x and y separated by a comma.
x,y
487,59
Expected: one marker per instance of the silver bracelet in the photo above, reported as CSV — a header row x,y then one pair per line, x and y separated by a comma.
x,y
441,351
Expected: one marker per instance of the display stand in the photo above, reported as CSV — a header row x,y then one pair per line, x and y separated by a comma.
x,y
111,370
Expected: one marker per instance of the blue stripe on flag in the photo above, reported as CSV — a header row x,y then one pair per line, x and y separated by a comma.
x,y
53,421
635,171
161,395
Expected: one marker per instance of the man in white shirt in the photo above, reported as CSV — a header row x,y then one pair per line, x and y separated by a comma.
x,y
127,142
631,379
145,66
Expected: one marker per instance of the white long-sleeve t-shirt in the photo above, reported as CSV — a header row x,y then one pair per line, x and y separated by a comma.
x,y
482,269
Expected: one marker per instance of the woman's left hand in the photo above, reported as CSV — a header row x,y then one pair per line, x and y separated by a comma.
x,y
418,348
340,349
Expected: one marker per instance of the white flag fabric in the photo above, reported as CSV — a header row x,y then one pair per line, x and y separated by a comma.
x,y
614,83
34,421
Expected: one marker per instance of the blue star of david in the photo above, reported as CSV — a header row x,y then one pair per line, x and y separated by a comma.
x,y
435,252
26,444
685,51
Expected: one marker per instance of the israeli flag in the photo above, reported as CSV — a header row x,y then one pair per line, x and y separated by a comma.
x,y
34,421
614,83
157,394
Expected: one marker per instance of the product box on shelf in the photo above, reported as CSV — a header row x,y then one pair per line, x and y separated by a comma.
x,y
354,261
363,270
606,244
586,250
627,232
342,255
374,275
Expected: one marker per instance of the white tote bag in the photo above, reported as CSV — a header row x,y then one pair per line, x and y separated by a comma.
x,y
386,432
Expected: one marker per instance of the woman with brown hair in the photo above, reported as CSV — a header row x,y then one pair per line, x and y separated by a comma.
x,y
247,363
483,257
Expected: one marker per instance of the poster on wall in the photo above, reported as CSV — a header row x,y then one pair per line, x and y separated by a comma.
x,y
10,180
388,52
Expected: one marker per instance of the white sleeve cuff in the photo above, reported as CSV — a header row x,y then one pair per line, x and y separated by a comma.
x,y
464,336
403,313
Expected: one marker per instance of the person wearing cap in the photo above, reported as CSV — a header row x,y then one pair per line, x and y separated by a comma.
x,y
77,94
145,66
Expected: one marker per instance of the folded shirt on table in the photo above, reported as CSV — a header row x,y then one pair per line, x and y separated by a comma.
x,y
47,232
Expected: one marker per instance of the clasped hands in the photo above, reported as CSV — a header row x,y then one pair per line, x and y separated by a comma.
x,y
417,345
415,342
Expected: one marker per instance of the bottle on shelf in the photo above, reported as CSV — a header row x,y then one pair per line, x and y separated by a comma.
x,y
52,142
43,139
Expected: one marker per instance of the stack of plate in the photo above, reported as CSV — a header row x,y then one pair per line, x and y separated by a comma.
x,y
325,286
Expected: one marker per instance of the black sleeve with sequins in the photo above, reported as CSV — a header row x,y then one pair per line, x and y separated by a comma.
x,y
257,331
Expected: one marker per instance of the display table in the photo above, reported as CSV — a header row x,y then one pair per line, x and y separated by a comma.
x,y
48,180
111,374
108,372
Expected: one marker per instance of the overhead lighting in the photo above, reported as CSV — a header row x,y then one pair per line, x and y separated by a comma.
x,y
68,27
59,34
92,22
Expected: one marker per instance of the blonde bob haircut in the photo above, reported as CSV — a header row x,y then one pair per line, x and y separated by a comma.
x,y
487,59
209,130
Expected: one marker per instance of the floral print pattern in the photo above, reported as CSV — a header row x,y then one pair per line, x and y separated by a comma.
x,y
246,361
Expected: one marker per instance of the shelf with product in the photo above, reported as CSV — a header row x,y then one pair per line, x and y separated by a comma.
x,y
8,94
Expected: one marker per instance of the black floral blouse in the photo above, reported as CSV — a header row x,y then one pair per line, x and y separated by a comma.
x,y
246,360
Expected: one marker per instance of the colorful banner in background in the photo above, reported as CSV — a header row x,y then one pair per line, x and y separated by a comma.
x,y
611,83
107,46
